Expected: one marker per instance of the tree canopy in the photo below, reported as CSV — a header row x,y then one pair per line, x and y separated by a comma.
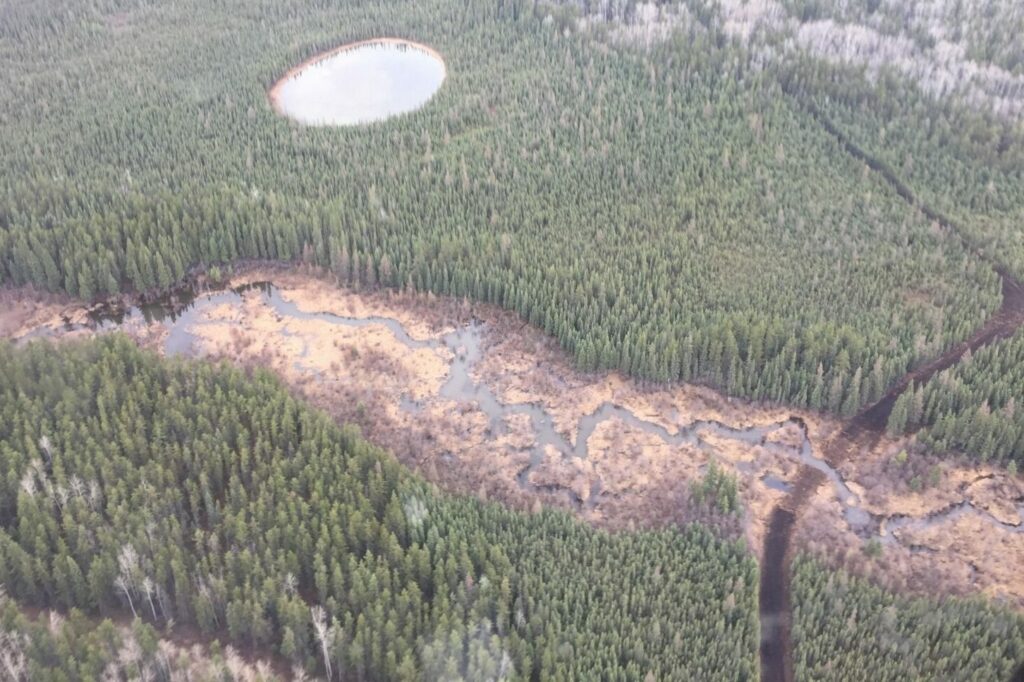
x,y
193,492
845,627
667,212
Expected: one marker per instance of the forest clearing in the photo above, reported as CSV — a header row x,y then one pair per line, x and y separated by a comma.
x,y
642,446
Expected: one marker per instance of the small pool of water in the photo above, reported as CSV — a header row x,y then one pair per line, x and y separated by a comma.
x,y
776,483
359,83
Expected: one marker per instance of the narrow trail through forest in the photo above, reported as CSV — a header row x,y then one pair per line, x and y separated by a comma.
x,y
859,434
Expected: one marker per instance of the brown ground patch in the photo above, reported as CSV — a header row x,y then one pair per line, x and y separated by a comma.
x,y
523,365
365,374
631,477
423,316
961,555
956,554
24,310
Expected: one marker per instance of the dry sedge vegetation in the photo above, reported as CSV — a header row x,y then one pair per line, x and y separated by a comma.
x,y
791,202
629,477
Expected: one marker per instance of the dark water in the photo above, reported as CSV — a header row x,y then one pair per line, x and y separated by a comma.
x,y
774,599
894,524
361,84
776,483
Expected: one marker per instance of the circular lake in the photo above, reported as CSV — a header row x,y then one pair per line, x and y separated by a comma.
x,y
359,83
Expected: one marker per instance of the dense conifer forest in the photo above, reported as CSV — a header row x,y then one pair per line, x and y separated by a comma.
x,y
686,208
846,628
194,493
974,407
965,164
73,650
967,168
668,213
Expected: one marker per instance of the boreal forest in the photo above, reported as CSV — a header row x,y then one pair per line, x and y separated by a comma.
x,y
665,340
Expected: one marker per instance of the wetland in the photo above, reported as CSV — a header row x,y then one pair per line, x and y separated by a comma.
x,y
482,404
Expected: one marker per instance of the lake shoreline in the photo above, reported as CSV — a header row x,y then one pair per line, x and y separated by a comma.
x,y
274,91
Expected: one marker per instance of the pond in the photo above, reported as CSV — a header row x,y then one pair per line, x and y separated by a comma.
x,y
359,83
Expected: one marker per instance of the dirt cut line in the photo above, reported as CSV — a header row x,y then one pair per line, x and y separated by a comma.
x,y
862,432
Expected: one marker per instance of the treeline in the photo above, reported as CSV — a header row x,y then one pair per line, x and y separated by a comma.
x,y
846,628
199,495
665,213
975,407
54,648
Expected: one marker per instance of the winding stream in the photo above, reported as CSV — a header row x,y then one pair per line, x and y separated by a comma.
x,y
466,344
891,527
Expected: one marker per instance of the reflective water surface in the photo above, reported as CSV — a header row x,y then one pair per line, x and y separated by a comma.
x,y
360,83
